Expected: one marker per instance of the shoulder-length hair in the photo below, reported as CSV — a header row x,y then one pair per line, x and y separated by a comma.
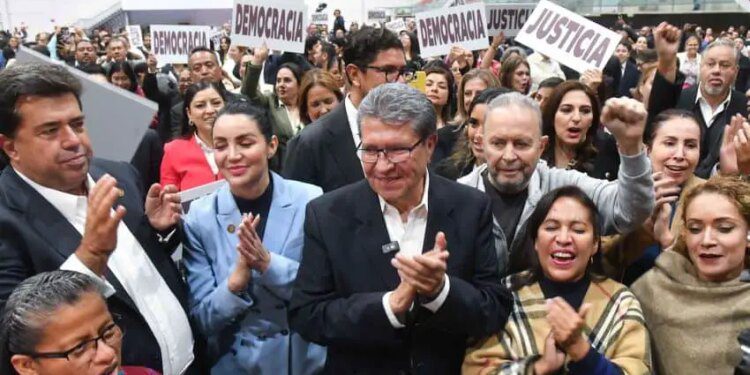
x,y
123,66
509,68
528,259
585,151
315,77
445,114
485,75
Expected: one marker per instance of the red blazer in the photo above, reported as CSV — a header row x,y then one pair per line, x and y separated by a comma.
x,y
184,165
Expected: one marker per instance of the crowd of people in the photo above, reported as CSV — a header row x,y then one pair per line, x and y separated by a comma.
x,y
481,212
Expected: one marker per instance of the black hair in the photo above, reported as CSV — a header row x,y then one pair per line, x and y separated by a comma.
x,y
528,259
139,68
414,43
41,49
667,115
124,67
190,93
45,80
202,49
340,42
366,43
485,96
294,68
330,51
446,111
255,113
551,82
310,42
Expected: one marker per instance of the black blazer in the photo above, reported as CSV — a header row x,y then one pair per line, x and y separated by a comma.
x,y
629,80
344,273
324,153
35,238
666,95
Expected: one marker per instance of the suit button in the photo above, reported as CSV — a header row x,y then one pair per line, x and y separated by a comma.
x,y
284,332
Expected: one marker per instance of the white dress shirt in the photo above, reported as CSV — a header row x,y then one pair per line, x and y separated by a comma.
x,y
138,275
208,152
351,115
410,237
708,113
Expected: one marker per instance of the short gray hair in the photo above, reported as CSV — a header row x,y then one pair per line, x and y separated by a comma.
x,y
398,104
516,100
30,307
721,42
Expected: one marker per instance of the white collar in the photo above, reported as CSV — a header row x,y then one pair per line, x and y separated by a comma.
x,y
385,205
699,96
68,204
203,145
351,116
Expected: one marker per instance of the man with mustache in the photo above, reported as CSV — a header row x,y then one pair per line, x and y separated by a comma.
x,y
515,178
713,101
61,208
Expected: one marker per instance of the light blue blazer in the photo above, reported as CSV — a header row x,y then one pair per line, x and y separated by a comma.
x,y
249,334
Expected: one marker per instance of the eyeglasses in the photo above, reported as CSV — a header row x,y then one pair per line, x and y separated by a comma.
x,y
392,73
393,155
83,352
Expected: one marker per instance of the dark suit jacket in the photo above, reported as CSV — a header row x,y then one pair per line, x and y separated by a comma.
x,y
344,273
743,74
35,238
629,80
147,158
666,95
324,153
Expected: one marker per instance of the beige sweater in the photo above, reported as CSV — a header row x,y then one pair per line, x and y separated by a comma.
x,y
693,324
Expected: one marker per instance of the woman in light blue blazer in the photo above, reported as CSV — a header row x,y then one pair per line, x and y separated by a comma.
x,y
242,250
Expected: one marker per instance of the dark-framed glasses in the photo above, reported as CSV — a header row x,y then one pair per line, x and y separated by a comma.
x,y
392,73
393,155
86,350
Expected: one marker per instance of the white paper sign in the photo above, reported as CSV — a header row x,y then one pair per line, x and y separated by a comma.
x,y
320,18
135,36
568,37
279,23
507,17
376,15
464,25
745,4
116,119
396,26
172,43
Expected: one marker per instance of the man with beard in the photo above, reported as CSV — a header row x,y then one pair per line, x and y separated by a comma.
x,y
324,153
515,178
85,53
713,101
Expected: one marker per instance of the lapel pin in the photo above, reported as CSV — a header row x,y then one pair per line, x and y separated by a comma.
x,y
231,228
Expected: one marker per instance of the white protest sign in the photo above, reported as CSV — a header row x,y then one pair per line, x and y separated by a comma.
x,y
172,43
464,25
507,17
376,15
320,18
745,4
116,119
135,36
279,23
396,26
568,37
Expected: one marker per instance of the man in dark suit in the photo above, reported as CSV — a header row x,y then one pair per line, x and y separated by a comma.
x,y
713,101
398,270
62,209
204,66
323,154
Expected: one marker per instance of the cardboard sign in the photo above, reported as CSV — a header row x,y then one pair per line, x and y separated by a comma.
x,y
376,15
464,25
396,26
135,36
568,38
116,119
172,43
279,23
320,18
508,17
